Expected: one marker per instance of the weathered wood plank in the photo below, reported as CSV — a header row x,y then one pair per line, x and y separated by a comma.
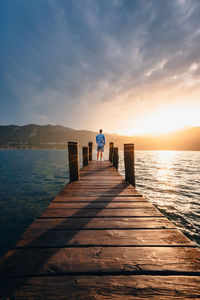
x,y
103,187
97,260
102,178
89,205
98,183
104,287
64,198
100,189
99,173
99,170
101,223
106,165
98,193
113,190
88,184
95,170
136,237
137,212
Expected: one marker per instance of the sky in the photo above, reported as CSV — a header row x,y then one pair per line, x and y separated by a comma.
x,y
127,66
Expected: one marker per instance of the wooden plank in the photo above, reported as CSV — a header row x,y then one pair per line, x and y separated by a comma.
x,y
115,188
101,223
100,173
95,186
101,178
95,166
115,237
98,260
109,178
62,198
98,193
137,212
89,205
103,287
90,169
86,189
114,185
99,170
98,183
102,165
105,189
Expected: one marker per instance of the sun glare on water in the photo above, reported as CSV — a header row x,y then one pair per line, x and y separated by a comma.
x,y
165,160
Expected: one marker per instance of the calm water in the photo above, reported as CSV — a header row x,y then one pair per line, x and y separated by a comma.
x,y
30,179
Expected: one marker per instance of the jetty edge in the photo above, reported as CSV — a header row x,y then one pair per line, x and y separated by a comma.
x,y
101,239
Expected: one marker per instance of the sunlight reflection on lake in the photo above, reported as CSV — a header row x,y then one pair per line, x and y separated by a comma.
x,y
171,181
165,165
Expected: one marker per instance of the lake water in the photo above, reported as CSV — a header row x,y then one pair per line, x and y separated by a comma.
x,y
30,179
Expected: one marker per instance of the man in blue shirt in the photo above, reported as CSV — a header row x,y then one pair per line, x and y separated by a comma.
x,y
100,140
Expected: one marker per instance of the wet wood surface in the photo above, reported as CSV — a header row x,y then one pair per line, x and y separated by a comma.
x,y
101,239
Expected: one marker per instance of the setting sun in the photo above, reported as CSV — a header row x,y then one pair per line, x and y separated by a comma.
x,y
166,119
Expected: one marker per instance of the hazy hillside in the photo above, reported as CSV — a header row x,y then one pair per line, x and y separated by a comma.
x,y
49,136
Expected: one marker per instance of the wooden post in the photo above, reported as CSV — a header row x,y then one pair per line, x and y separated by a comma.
x,y
90,145
111,145
129,163
85,156
73,161
115,157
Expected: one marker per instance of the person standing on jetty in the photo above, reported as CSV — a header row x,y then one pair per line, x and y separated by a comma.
x,y
100,140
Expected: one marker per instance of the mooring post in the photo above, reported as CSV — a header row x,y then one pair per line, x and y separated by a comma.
x,y
73,161
90,145
129,163
111,145
115,157
85,156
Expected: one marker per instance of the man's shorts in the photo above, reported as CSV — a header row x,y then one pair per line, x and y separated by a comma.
x,y
100,148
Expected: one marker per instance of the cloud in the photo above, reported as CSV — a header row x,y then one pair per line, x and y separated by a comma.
x,y
67,59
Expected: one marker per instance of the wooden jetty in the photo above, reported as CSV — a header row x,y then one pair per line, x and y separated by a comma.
x,y
101,239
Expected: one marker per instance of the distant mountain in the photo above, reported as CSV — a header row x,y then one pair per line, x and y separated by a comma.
x,y
56,137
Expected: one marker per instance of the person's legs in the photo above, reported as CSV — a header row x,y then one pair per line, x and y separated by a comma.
x,y
102,150
98,155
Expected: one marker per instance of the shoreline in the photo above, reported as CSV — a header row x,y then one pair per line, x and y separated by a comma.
x,y
120,149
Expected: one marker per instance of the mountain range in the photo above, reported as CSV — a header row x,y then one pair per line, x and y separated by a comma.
x,y
56,137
